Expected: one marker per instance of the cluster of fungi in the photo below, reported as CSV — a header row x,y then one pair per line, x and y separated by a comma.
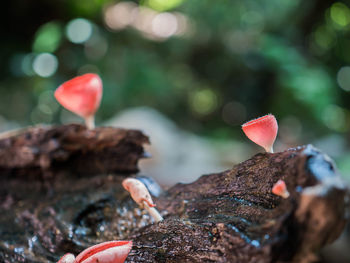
x,y
82,95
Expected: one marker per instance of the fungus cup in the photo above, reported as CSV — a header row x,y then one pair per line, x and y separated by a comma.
x,y
262,131
280,189
107,252
81,95
142,197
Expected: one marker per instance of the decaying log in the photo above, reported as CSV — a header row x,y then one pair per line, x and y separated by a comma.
x,y
224,217
234,217
48,150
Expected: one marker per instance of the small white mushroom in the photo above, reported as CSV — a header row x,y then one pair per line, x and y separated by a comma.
x,y
141,196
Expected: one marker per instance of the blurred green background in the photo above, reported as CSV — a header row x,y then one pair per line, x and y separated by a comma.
x,y
208,65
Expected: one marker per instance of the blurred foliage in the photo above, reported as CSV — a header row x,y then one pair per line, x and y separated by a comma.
x,y
209,65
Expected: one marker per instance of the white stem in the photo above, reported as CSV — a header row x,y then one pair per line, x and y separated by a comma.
x,y
285,194
269,150
153,212
90,122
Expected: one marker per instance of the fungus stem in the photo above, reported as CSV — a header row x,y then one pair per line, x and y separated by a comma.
x,y
153,212
139,193
90,122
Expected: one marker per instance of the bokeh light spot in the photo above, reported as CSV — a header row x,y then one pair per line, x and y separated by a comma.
x,y
152,24
143,21
164,25
340,14
27,64
119,16
47,38
79,30
45,65
204,101
162,5
324,37
334,117
343,78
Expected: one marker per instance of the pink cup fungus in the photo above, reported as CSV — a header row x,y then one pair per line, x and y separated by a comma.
x,y
280,189
107,252
81,95
262,131
142,197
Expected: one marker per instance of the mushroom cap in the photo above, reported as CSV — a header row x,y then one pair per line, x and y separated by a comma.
x,y
262,131
81,95
107,252
67,258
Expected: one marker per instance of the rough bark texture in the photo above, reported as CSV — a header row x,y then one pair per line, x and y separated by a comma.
x,y
234,217
224,217
49,150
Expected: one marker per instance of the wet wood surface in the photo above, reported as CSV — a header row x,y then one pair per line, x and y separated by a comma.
x,y
224,217
234,217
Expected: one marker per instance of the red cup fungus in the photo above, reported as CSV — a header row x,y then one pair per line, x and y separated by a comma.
x,y
107,252
280,189
81,95
262,131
